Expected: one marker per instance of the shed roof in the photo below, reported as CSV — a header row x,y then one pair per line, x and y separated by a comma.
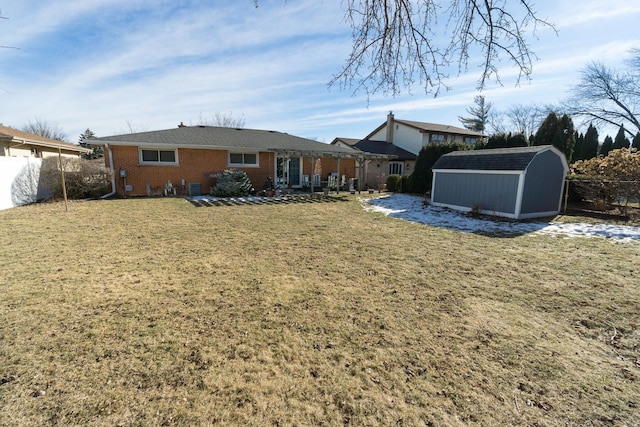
x,y
498,159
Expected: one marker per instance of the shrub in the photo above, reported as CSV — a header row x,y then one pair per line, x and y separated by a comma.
x,y
232,183
605,180
422,176
393,183
83,178
406,184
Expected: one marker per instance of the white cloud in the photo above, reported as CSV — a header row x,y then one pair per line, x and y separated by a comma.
x,y
155,63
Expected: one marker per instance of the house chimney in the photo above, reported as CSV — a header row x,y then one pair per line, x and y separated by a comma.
x,y
390,127
182,125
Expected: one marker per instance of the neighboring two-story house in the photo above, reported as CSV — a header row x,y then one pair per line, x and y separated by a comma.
x,y
402,140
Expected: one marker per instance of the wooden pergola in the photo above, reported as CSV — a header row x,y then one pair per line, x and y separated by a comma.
x,y
360,158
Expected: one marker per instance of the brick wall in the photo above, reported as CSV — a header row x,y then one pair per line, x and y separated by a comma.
x,y
200,166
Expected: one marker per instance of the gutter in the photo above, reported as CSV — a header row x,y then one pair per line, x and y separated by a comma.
x,y
62,146
19,141
113,173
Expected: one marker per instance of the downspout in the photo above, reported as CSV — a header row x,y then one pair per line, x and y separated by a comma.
x,y
113,173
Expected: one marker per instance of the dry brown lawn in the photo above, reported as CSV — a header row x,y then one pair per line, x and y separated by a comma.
x,y
154,312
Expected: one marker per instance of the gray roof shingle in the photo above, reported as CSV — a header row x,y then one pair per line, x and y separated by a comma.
x,y
499,159
383,147
434,127
213,137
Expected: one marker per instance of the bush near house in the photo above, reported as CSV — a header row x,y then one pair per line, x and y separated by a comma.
x,y
83,178
232,183
608,180
394,183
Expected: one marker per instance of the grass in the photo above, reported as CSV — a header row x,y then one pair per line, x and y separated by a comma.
x,y
155,312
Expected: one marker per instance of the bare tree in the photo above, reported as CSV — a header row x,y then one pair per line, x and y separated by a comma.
x,y
395,43
132,128
43,128
223,120
609,96
522,119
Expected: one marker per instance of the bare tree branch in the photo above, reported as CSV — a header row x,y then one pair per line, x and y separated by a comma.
x,y
608,96
43,128
222,120
395,43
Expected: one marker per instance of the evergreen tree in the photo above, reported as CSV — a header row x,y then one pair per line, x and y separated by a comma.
x,y
590,145
517,140
479,115
636,141
558,132
578,152
607,146
502,140
546,130
566,139
84,141
621,141
422,175
232,183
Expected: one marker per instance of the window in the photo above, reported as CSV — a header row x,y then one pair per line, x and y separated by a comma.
x,y
243,159
469,139
437,137
395,168
167,157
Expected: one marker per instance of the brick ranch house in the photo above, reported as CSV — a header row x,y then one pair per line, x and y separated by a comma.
x,y
185,160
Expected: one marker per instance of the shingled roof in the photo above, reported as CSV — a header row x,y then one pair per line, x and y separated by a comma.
x,y
383,147
213,137
434,127
430,128
499,159
14,135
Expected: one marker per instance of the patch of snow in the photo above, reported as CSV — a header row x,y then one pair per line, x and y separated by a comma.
x,y
413,208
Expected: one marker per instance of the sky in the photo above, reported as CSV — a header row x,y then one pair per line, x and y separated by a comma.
x,y
116,66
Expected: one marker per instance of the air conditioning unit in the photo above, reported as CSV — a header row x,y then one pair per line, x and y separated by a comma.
x,y
195,189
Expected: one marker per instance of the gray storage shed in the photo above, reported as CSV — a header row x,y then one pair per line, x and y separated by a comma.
x,y
519,183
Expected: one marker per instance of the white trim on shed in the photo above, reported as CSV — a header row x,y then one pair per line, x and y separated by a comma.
x,y
517,183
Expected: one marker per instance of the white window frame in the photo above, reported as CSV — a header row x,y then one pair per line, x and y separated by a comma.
x,y
469,139
437,137
157,162
244,164
396,166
